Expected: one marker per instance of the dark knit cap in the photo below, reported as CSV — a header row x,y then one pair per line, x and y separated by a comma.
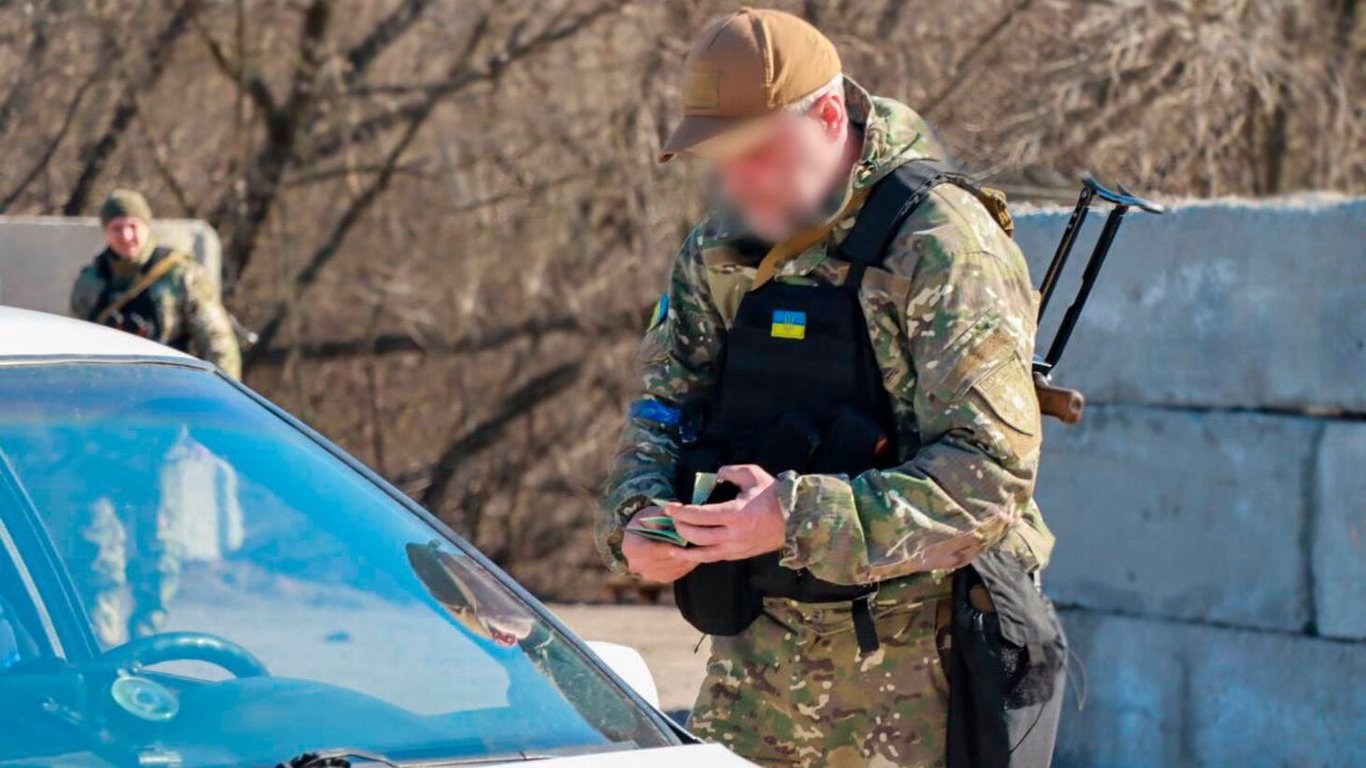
x,y
125,202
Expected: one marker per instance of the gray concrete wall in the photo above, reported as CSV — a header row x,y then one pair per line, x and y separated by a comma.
x,y
1222,304
40,255
1211,509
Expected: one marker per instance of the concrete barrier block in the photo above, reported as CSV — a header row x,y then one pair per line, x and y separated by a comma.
x,y
1131,675
1339,523
1172,694
1220,303
1187,515
40,256
1267,699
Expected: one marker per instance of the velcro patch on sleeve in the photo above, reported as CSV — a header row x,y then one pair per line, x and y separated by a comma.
x,y
1009,391
653,410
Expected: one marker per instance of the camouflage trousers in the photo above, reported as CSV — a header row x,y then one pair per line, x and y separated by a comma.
x,y
794,690
127,569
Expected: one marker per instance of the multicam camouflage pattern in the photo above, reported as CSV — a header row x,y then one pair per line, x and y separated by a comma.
x,y
951,316
127,577
190,315
793,689
103,546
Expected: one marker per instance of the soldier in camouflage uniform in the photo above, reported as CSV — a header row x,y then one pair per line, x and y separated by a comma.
x,y
180,309
951,316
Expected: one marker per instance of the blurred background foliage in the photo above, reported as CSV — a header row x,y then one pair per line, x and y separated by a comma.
x,y
445,218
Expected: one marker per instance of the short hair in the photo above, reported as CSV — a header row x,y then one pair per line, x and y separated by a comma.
x,y
805,103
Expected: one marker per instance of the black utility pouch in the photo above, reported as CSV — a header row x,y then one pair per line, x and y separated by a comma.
x,y
1005,667
853,442
717,598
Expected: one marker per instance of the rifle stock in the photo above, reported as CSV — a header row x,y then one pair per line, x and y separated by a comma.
x,y
1065,405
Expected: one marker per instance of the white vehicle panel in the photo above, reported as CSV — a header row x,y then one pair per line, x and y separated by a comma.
x,y
26,333
694,756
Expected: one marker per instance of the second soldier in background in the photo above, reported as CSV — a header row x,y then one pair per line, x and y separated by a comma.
x,y
162,294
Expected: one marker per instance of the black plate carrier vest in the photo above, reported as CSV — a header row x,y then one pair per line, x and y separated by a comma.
x,y
799,389
140,316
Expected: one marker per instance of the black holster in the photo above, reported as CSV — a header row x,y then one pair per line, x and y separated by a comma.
x,y
1006,665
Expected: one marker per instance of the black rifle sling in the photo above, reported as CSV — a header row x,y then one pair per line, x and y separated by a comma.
x,y
891,202
894,199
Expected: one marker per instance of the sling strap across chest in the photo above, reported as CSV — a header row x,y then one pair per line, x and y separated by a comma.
x,y
159,269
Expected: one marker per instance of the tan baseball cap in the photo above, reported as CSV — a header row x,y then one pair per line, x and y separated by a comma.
x,y
745,67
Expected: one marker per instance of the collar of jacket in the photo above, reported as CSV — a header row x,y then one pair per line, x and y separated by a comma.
x,y
893,135
124,269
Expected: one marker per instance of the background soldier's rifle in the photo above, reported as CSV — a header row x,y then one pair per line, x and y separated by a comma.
x,y
1068,405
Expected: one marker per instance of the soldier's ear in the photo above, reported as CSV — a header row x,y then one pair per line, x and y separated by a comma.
x,y
830,112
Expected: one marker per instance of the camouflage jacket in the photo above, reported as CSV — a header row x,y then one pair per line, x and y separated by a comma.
x,y
952,319
190,316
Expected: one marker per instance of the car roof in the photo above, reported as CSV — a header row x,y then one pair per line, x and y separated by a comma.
x,y
26,334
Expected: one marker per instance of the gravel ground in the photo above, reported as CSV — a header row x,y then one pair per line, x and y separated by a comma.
x,y
661,636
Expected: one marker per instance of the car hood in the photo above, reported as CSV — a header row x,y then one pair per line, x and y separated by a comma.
x,y
709,755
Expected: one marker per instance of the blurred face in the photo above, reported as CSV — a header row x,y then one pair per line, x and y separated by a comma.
x,y
779,181
126,235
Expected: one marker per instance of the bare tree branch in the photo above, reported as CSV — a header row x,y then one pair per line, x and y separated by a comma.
x,y
241,213
45,156
472,442
27,75
964,67
517,49
616,324
384,34
330,247
160,159
252,84
96,157
419,114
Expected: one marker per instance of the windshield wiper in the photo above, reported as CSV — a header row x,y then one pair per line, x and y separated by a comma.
x,y
341,758
335,758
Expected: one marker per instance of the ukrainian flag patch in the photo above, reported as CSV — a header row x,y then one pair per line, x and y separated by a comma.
x,y
788,324
660,312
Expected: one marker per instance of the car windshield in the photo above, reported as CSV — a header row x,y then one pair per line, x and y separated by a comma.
x,y
188,579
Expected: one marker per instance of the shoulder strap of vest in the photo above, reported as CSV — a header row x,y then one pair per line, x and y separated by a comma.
x,y
162,262
893,199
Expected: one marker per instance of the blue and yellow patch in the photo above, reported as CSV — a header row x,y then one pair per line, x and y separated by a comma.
x,y
788,324
660,312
